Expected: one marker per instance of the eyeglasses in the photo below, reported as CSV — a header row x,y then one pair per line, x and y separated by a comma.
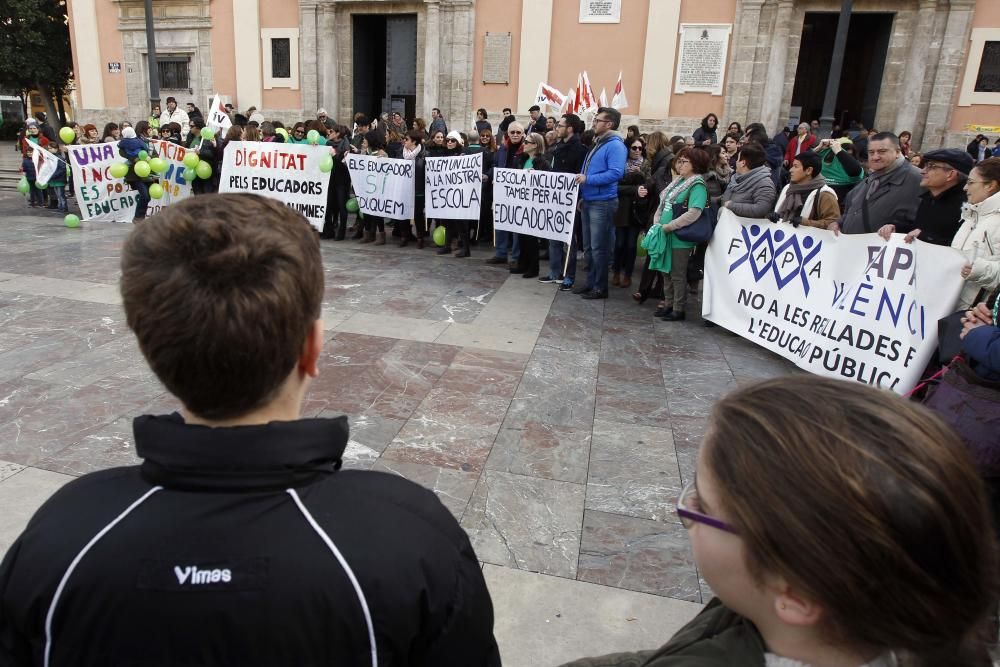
x,y
561,125
636,148
603,120
516,133
299,132
452,141
682,161
929,167
687,502
972,182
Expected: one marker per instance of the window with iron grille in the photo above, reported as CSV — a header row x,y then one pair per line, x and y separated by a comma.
x,y
988,80
281,58
174,73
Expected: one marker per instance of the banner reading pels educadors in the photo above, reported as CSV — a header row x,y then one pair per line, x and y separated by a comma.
x,y
289,173
849,306
536,203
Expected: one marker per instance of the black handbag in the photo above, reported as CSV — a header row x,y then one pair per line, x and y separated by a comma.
x,y
701,230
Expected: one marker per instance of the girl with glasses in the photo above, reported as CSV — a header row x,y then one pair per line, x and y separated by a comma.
x,y
838,525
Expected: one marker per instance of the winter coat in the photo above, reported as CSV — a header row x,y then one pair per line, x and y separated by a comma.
x,y
604,167
660,171
701,135
568,156
982,346
750,195
628,199
938,218
798,145
245,545
437,124
894,201
811,215
716,637
979,240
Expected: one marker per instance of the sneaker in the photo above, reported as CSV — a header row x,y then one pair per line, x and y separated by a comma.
x,y
548,279
566,287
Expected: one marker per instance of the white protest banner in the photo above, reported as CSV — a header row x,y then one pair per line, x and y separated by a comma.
x,y
453,187
848,306
217,118
100,196
536,203
383,186
45,163
175,188
289,173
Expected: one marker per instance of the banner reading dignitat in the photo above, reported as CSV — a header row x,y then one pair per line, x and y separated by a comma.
x,y
536,203
383,186
289,173
101,196
848,306
453,186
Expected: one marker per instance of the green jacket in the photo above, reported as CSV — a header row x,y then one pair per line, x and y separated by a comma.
x,y
717,637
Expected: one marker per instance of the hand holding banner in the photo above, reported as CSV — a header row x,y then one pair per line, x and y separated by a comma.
x,y
536,203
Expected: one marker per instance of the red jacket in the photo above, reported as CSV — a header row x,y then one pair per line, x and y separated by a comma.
x,y
793,146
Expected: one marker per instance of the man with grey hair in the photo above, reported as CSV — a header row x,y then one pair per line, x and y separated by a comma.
x,y
800,143
889,194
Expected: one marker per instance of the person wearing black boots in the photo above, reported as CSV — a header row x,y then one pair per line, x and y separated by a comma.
x,y
454,145
339,191
413,149
534,158
374,225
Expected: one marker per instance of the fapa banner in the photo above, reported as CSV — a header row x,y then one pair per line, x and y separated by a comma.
x,y
848,306
289,173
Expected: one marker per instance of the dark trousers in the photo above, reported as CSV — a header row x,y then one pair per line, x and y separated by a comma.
x,y
419,218
375,223
625,243
143,189
528,261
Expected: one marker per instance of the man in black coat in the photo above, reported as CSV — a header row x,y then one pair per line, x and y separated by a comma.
x,y
939,214
567,155
239,540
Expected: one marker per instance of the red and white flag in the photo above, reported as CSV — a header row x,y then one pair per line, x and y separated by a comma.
x,y
604,97
578,103
618,100
569,106
45,164
549,96
589,99
218,118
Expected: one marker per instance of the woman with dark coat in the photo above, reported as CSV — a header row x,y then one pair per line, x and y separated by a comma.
x,y
707,134
630,217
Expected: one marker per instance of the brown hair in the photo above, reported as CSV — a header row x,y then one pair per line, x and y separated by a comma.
x,y
989,169
655,142
234,133
252,133
221,292
700,161
867,503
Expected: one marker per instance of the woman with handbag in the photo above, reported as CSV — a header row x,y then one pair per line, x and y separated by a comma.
x,y
681,204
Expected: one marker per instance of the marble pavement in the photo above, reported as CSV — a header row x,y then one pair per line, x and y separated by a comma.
x,y
558,431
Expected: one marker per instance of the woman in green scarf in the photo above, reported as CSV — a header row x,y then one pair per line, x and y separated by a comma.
x,y
681,204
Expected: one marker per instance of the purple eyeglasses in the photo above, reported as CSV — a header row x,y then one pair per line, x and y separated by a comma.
x,y
689,517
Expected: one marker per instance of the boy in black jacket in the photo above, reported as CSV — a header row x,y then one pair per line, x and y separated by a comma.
x,y
238,540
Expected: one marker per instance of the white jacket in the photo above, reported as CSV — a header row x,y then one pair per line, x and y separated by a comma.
x,y
180,117
979,240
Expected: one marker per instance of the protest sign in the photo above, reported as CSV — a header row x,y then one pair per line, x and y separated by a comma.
x,y
847,306
100,196
536,203
453,187
289,173
175,188
45,163
382,186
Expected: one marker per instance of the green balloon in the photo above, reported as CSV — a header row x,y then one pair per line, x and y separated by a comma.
x,y
23,186
67,134
158,165
191,160
282,131
40,185
119,170
326,164
155,191
189,174
71,220
204,170
352,205
143,155
312,136
142,169
207,133
440,235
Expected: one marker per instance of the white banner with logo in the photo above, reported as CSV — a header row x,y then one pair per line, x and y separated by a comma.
x,y
289,173
453,187
383,186
99,195
536,203
852,306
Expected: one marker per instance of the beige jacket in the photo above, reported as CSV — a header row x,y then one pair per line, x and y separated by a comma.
x,y
979,240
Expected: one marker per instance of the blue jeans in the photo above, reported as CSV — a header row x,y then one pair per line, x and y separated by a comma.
x,y
504,239
60,193
598,217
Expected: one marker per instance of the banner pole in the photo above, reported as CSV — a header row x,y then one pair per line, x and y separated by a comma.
x,y
569,249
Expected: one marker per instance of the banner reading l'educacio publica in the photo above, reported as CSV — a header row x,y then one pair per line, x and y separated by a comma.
x,y
850,306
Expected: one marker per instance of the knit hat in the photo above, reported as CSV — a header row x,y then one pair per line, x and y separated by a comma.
x,y
457,136
953,157
128,133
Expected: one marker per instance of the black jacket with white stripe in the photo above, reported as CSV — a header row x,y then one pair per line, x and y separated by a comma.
x,y
243,546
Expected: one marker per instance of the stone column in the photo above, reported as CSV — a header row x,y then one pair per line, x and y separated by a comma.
x,y
328,80
309,25
536,39
659,62
916,69
432,59
953,48
774,87
741,70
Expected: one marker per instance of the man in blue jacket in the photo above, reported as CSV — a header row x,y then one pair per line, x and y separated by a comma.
x,y
602,170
